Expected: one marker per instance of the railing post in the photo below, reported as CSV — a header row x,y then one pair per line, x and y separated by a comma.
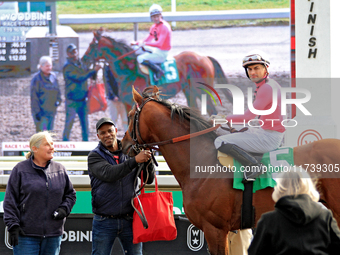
x,y
173,9
135,31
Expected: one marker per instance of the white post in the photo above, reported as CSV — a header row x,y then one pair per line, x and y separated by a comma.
x,y
173,9
314,72
28,5
335,62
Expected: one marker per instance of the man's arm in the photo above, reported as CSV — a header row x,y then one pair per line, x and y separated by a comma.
x,y
35,103
104,171
77,74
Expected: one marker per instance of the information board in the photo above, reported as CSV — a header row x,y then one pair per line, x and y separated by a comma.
x,y
15,53
15,58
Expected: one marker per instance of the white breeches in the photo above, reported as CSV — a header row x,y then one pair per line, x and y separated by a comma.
x,y
256,140
157,55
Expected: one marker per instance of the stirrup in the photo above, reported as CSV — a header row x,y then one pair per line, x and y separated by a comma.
x,y
158,75
155,77
253,175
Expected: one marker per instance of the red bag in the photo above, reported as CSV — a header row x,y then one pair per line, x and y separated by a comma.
x,y
158,209
96,98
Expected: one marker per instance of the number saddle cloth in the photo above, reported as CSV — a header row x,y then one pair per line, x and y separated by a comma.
x,y
169,68
274,162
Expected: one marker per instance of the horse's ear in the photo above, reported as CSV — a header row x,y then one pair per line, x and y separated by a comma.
x,y
136,96
155,89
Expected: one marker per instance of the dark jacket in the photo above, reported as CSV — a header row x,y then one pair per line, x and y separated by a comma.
x,y
113,184
45,94
76,80
297,226
33,194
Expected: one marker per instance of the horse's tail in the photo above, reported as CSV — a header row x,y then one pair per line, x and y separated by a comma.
x,y
110,82
221,78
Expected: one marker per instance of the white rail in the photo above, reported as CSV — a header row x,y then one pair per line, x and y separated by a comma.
x,y
135,18
67,19
79,163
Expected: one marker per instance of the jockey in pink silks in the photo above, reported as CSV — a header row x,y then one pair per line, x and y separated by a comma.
x,y
156,46
262,139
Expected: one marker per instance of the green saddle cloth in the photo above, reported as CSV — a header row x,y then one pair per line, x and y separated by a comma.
x,y
276,161
170,70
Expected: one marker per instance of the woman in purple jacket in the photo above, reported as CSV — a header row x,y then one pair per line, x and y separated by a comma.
x,y
39,197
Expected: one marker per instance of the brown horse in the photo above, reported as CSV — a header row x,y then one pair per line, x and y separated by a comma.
x,y
211,203
193,71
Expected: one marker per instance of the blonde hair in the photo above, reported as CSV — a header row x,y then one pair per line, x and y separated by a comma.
x,y
43,60
36,140
293,183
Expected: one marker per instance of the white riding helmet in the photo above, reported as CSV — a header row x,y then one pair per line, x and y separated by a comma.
x,y
255,57
155,9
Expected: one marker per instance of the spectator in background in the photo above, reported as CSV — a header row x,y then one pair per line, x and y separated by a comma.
x,y
45,95
76,92
113,186
39,196
116,106
299,225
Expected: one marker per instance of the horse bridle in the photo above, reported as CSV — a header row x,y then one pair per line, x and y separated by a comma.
x,y
136,136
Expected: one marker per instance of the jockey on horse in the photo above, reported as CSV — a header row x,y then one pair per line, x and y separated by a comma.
x,y
155,48
262,139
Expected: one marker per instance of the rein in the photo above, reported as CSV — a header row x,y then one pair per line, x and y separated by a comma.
x,y
135,134
130,52
127,54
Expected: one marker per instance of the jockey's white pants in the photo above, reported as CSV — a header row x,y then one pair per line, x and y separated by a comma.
x,y
256,140
157,55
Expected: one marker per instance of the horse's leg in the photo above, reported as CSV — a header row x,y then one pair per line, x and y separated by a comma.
x,y
216,240
238,243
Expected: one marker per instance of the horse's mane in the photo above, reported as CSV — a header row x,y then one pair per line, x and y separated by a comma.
x,y
184,113
120,43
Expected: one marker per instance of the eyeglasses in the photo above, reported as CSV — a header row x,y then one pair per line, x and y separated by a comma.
x,y
254,57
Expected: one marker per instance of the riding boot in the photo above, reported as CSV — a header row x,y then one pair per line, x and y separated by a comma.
x,y
157,70
252,167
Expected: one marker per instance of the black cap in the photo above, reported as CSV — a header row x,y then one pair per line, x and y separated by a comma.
x,y
70,48
103,121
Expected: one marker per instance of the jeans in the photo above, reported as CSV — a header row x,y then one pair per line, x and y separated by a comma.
x,y
46,123
73,108
29,245
104,232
